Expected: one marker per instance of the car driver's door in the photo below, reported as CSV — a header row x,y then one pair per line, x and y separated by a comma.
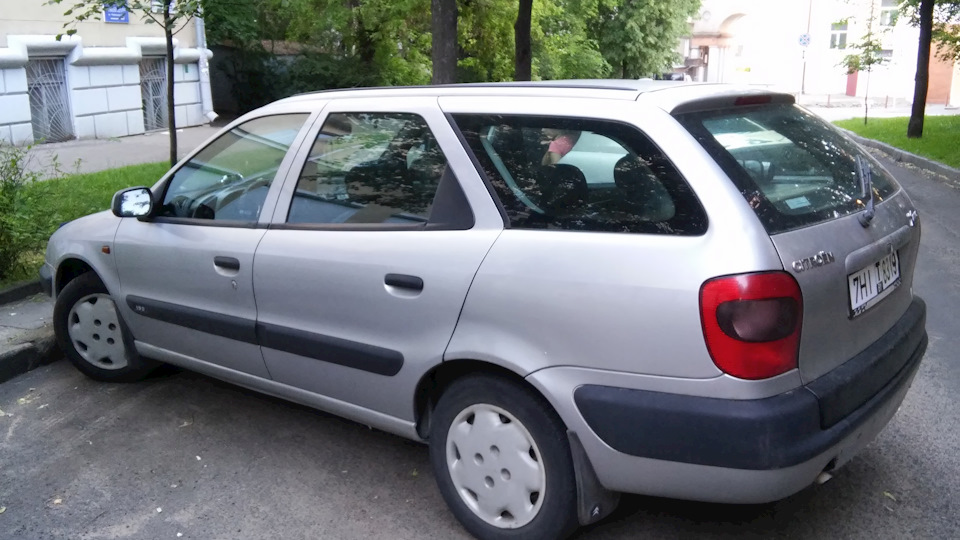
x,y
186,273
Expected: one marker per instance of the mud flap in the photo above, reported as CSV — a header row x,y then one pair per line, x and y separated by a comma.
x,y
594,502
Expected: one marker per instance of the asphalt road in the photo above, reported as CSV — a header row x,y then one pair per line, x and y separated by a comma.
x,y
182,454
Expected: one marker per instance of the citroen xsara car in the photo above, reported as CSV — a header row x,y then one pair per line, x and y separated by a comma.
x,y
568,290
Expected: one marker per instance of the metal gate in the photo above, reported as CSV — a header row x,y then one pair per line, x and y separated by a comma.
x,y
49,113
153,89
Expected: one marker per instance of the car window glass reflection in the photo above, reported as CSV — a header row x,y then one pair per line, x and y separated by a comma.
x,y
369,168
581,175
229,179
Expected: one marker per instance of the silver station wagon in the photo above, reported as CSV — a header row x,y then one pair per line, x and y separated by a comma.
x,y
568,290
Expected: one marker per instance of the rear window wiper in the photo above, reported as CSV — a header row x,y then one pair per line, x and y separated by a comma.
x,y
865,174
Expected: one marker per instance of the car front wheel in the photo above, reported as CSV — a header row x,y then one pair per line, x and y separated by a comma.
x,y
92,335
502,461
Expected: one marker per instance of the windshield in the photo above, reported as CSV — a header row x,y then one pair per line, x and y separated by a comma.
x,y
792,168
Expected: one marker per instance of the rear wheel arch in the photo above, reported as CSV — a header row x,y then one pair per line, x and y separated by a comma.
x,y
436,381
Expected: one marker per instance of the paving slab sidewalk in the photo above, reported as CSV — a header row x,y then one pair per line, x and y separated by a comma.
x,y
93,155
26,335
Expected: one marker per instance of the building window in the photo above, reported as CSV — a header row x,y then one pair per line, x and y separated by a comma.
x,y
889,12
838,35
49,113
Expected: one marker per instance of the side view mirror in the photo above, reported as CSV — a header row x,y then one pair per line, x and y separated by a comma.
x,y
132,202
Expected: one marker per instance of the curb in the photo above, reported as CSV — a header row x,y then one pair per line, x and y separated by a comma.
x,y
25,357
951,174
19,291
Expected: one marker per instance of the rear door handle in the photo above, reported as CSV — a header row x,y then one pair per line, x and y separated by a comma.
x,y
404,281
227,263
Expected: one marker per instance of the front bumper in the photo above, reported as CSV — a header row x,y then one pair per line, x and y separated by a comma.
x,y
744,451
46,279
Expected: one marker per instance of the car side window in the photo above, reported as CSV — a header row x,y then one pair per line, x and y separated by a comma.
x,y
369,168
229,179
581,175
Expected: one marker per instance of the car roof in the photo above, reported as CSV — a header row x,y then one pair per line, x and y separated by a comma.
x,y
672,96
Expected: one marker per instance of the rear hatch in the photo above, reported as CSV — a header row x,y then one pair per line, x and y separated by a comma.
x,y
807,184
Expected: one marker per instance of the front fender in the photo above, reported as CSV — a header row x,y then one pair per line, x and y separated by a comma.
x,y
90,240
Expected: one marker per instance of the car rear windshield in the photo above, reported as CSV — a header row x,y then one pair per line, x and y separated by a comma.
x,y
793,168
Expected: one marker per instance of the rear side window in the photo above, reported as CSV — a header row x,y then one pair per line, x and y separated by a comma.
x,y
369,168
581,175
792,167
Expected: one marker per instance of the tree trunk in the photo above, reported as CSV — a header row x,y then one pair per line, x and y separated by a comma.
x,y
922,79
444,46
523,57
171,108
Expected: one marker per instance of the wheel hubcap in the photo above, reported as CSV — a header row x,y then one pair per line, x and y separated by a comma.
x,y
496,466
94,330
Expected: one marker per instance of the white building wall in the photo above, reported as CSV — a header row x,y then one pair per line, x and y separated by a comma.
x,y
186,95
15,124
104,101
103,85
758,42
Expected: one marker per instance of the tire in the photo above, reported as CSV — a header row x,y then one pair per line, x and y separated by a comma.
x,y
511,476
92,334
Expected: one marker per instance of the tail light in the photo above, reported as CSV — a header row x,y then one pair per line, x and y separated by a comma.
x,y
751,323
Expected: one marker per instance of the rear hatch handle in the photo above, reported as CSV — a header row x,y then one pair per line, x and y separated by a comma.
x,y
865,174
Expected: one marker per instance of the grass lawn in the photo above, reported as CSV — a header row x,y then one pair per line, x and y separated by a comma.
x,y
941,135
52,202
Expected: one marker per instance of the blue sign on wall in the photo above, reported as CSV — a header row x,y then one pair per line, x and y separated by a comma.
x,y
114,14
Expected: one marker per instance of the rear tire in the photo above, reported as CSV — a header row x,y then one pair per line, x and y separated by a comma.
x,y
92,334
502,461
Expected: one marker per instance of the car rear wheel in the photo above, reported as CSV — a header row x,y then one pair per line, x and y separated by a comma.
x,y
502,461
92,335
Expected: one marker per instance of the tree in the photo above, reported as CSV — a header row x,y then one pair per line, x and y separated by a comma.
x,y
639,37
922,78
171,15
444,47
869,53
936,19
523,56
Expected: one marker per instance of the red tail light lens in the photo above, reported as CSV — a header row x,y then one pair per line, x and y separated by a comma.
x,y
751,323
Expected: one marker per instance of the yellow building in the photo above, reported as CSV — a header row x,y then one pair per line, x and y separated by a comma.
x,y
108,80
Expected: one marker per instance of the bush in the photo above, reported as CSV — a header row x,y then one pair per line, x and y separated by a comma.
x,y
19,233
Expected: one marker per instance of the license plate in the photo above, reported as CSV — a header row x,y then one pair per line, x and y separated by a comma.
x,y
873,283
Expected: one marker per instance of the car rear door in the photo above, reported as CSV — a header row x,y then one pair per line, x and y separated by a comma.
x,y
186,274
803,180
376,238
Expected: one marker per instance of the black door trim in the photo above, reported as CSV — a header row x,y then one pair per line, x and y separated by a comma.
x,y
330,349
343,352
209,322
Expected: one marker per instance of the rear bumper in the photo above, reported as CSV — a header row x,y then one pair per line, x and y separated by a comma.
x,y
759,434
742,451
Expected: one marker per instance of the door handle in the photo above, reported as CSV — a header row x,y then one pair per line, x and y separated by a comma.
x,y
403,281
227,263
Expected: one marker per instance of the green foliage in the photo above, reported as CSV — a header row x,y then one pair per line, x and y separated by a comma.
x,y
31,209
178,12
868,54
387,42
639,37
938,142
18,232
563,47
946,26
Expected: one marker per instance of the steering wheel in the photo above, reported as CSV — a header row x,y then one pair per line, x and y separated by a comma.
x,y
181,206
